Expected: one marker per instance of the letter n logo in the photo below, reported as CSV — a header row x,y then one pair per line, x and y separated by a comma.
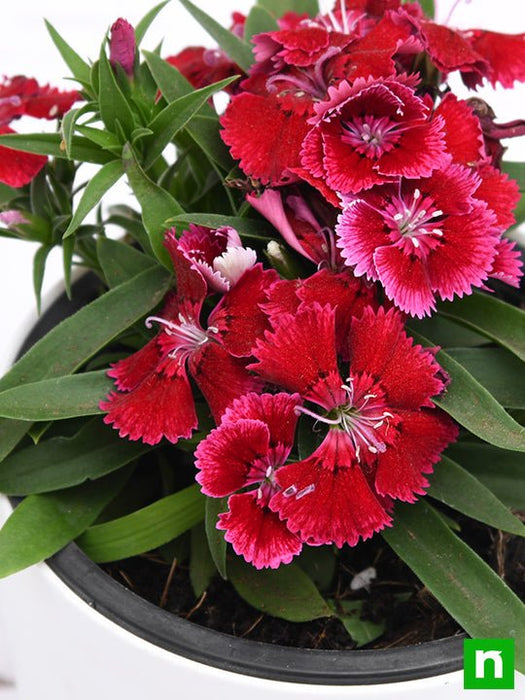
x,y
488,663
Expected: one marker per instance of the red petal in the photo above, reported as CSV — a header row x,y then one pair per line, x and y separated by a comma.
x,y
449,51
289,358
379,346
326,498
346,170
282,299
221,377
361,231
239,318
51,103
16,167
191,286
160,406
500,193
276,411
133,369
226,458
505,54
406,280
257,534
265,137
508,265
421,439
463,135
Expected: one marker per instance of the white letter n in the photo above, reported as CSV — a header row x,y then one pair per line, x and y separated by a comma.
x,y
482,657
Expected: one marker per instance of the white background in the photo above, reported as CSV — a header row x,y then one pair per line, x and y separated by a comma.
x,y
26,48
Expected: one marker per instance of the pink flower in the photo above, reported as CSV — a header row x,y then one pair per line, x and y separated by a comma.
x,y
154,397
384,433
252,442
425,239
217,254
370,133
122,46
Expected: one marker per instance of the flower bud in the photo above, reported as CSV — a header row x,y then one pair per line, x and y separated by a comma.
x,y
122,46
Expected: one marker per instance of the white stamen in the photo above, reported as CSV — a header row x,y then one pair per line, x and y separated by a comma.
x,y
417,193
290,491
305,491
269,472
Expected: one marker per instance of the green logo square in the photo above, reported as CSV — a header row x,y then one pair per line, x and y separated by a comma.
x,y
488,663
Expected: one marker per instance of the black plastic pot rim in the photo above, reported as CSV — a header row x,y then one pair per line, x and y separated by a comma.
x,y
219,650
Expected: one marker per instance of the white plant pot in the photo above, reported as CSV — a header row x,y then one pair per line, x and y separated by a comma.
x,y
73,633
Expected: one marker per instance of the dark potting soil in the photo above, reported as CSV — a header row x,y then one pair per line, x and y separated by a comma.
x,y
410,612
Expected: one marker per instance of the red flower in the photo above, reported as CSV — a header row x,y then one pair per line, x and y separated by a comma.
x,y
154,397
202,66
122,46
24,96
384,433
217,254
252,442
372,132
424,239
16,167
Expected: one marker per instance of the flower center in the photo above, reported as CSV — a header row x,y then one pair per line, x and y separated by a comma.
x,y
414,221
183,337
371,136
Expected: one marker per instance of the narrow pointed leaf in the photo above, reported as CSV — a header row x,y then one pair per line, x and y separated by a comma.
x,y
104,139
61,462
459,489
516,171
43,524
278,8
170,81
78,67
57,398
202,566
52,145
501,471
476,409
175,117
250,228
157,204
145,529
96,188
237,49
206,134
361,631
468,588
68,249
39,268
11,432
216,542
493,318
74,341
286,592
120,261
259,20
498,370
114,107
429,7
68,124
145,23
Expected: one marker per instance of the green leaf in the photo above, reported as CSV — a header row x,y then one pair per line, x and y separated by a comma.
x,y
428,6
120,261
157,204
456,487
476,409
202,566
501,322
43,524
445,332
286,592
361,631
11,432
170,81
278,8
7,193
145,23
68,249
52,145
319,564
78,67
96,188
175,117
114,107
57,398
68,124
61,462
145,529
74,341
104,139
216,542
516,171
468,588
237,49
501,471
259,20
39,268
249,228
499,371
